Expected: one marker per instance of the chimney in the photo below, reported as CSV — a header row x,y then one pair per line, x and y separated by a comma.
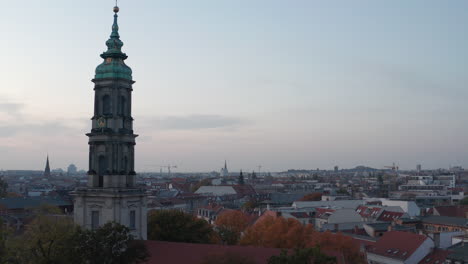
x,y
356,229
336,227
389,228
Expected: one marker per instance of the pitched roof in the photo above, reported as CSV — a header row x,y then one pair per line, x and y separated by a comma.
x,y
31,202
445,220
244,190
187,253
438,256
452,210
322,212
170,252
367,211
397,244
389,216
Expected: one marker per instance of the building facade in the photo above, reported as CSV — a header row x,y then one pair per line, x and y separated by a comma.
x,y
111,194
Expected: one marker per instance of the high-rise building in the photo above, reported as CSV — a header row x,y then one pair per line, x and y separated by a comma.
x,y
111,194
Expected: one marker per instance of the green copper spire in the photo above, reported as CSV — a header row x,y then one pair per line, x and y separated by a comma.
x,y
114,65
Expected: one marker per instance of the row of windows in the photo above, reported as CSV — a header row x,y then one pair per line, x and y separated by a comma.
x,y
95,220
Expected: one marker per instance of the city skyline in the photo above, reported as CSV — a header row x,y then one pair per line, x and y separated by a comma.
x,y
303,85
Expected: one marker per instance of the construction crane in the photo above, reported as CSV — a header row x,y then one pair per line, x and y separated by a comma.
x,y
394,167
161,167
169,167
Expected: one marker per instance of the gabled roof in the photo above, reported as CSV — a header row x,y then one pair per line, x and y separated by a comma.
x,y
244,190
320,212
162,252
367,211
438,256
445,220
397,244
388,216
452,210
185,253
31,202
300,214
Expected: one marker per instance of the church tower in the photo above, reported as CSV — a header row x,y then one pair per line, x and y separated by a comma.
x,y
111,194
47,168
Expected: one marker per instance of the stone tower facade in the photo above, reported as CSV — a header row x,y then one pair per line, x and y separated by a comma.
x,y
111,194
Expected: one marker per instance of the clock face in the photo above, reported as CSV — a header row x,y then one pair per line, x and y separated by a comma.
x,y
101,122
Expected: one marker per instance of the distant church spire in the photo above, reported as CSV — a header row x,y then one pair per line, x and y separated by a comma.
x,y
224,171
47,168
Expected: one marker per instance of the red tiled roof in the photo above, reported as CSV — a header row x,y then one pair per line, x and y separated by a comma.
x,y
367,211
321,211
300,215
212,207
397,244
185,253
438,256
162,252
389,216
452,210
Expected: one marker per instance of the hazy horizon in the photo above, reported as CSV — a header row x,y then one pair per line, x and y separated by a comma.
x,y
283,84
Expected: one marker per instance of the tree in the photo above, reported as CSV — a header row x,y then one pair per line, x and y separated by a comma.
x,y
52,238
177,226
278,232
109,244
339,243
302,256
227,258
250,205
3,188
241,179
316,196
230,225
464,201
45,240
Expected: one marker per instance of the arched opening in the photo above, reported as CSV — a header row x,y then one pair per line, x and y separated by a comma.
x,y
122,105
106,105
102,167
125,164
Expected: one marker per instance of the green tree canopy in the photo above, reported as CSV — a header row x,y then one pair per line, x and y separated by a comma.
x,y
177,226
464,201
109,244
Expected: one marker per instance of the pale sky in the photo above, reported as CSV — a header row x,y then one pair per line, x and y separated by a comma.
x,y
299,84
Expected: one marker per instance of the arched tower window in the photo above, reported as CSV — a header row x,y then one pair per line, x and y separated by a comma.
x,y
122,105
106,105
125,164
102,167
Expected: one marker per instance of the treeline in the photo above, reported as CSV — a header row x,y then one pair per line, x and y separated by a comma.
x,y
235,228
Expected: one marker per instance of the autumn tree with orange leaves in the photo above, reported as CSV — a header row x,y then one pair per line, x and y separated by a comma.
x,y
278,232
340,243
230,226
